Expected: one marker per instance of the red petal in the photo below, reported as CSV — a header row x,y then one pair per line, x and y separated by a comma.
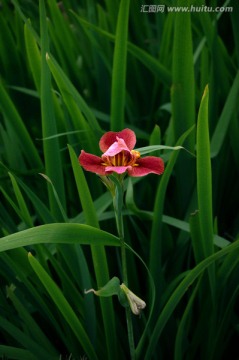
x,y
91,163
147,165
110,137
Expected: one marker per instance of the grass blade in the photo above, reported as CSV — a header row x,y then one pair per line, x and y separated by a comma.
x,y
36,332
51,148
182,333
34,56
180,291
25,340
67,87
25,141
83,191
42,211
159,71
155,243
118,91
98,255
183,92
196,236
204,177
63,306
21,203
224,120
16,353
59,234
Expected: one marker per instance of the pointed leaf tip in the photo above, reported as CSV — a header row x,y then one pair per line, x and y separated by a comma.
x,y
206,90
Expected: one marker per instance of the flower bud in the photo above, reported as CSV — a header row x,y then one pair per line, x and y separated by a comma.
x,y
136,304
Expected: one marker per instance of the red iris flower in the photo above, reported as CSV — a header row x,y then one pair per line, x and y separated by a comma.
x,y
119,157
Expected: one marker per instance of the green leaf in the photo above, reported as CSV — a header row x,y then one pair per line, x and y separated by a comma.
x,y
178,294
64,307
36,333
149,149
33,54
59,204
155,243
83,190
58,233
111,288
196,237
172,221
204,177
51,148
27,146
42,211
16,353
182,328
25,215
16,261
67,88
35,349
154,65
11,202
98,252
79,272
183,88
224,120
118,90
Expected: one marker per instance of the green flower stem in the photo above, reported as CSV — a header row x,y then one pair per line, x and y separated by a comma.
x,y
120,229
130,332
118,206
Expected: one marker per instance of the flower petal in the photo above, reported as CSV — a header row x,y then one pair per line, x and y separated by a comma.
x,y
118,146
92,163
147,165
117,169
110,137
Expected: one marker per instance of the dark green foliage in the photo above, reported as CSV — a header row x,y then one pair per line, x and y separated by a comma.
x,y
70,71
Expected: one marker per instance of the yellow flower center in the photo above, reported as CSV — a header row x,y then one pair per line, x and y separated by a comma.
x,y
124,158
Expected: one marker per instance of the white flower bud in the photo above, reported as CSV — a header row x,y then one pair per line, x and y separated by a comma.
x,y
136,304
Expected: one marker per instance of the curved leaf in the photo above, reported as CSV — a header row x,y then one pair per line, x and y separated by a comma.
x,y
58,233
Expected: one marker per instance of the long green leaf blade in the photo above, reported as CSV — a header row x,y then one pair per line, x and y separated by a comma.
x,y
204,176
27,146
36,333
59,234
98,254
154,65
183,91
34,56
51,148
156,241
63,306
21,202
224,120
16,353
25,340
178,294
118,91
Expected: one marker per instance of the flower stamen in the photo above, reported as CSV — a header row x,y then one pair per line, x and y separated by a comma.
x,y
123,158
135,153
